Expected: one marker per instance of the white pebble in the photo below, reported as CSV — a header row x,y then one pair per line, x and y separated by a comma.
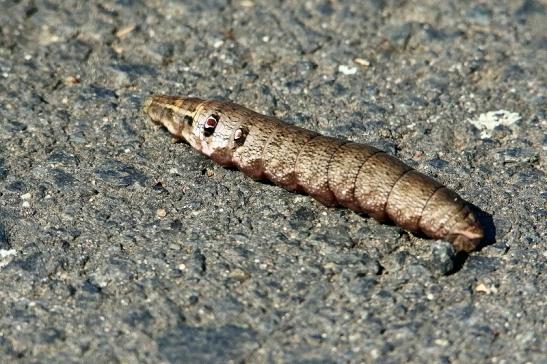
x,y
361,61
347,70
488,121
4,253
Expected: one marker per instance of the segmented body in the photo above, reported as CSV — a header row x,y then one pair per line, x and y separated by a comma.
x,y
333,171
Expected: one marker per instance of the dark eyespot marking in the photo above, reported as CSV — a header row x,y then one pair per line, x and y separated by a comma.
x,y
240,135
188,120
210,125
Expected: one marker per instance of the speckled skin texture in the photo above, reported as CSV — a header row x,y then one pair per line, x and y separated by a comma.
x,y
333,171
312,168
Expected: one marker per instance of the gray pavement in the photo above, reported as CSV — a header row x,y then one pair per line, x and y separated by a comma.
x,y
118,245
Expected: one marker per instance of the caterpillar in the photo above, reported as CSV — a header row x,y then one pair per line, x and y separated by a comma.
x,y
333,171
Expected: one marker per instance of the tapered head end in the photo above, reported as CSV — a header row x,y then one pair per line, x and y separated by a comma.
x,y
146,104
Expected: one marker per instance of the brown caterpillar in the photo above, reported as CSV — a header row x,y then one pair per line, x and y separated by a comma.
x,y
333,171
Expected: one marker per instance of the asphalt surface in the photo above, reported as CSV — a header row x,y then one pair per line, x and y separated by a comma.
x,y
118,245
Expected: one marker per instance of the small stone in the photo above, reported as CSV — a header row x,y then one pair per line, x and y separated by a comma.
x,y
26,196
193,299
481,287
125,30
441,342
442,257
239,275
247,4
72,80
362,62
6,256
488,121
347,70
7,253
161,213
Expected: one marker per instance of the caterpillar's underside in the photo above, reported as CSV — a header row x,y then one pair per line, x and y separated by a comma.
x,y
333,171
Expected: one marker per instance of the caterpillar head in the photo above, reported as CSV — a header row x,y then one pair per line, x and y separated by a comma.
x,y
203,124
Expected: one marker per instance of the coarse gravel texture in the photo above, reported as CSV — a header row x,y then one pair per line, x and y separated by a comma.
x,y
118,245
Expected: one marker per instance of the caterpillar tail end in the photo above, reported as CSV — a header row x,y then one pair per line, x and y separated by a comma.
x,y
468,238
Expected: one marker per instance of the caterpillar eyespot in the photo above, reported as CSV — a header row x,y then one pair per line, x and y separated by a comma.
x,y
210,125
333,171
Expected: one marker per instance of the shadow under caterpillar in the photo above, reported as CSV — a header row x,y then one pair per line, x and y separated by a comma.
x,y
333,171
